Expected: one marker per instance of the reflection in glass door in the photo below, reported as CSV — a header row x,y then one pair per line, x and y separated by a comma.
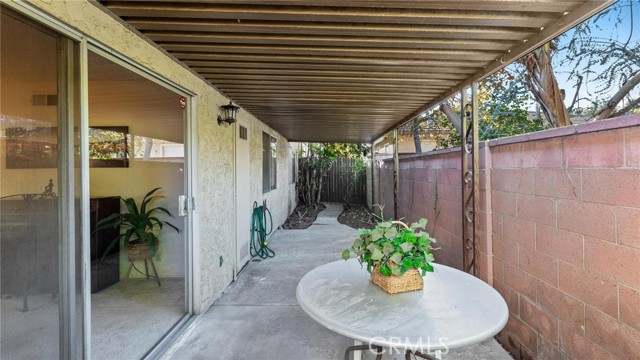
x,y
41,312
136,145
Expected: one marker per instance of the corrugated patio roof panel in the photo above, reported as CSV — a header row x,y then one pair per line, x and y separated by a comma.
x,y
347,71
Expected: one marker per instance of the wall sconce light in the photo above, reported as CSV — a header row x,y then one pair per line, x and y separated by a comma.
x,y
228,114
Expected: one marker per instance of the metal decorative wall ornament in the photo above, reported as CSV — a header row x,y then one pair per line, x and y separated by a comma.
x,y
470,179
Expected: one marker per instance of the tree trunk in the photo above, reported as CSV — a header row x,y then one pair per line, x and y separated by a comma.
x,y
452,116
319,194
544,86
416,135
607,111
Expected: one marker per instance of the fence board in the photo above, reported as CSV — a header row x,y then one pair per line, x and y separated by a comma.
x,y
336,184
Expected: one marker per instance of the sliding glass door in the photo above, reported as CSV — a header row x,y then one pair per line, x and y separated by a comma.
x,y
40,230
58,249
137,152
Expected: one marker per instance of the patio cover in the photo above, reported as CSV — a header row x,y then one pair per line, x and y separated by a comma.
x,y
347,70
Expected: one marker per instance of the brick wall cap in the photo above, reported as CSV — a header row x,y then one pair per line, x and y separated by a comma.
x,y
594,126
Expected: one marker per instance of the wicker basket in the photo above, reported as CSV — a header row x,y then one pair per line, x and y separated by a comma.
x,y
410,281
137,252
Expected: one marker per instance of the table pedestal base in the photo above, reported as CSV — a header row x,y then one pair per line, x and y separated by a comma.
x,y
359,347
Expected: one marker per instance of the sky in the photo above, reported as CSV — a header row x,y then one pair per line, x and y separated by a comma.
x,y
605,28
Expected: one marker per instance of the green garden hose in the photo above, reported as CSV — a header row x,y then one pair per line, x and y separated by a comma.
x,y
259,245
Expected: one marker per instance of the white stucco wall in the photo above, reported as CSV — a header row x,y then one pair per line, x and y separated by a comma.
x,y
215,147
278,200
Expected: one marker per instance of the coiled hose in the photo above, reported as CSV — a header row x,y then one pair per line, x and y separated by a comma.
x,y
259,246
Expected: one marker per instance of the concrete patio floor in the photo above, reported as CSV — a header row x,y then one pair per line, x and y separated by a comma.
x,y
258,317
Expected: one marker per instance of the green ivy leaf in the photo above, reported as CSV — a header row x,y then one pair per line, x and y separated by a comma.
x,y
406,247
390,233
428,267
396,258
363,231
384,270
376,236
422,241
346,254
388,248
384,224
423,223
428,257
376,254
397,270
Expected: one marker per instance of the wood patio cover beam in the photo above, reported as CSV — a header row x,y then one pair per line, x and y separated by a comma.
x,y
347,70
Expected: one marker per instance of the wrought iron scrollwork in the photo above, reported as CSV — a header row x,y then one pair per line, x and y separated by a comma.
x,y
469,153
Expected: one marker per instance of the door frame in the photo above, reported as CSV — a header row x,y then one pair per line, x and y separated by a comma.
x,y
238,263
190,144
87,43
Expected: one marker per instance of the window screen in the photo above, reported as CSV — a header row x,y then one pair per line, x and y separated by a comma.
x,y
269,162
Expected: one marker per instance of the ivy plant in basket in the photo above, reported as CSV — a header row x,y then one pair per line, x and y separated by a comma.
x,y
396,255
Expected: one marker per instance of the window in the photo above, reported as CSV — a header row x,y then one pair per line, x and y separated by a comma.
x,y
293,165
269,162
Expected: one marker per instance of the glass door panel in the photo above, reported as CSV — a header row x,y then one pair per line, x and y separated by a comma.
x,y
39,281
136,145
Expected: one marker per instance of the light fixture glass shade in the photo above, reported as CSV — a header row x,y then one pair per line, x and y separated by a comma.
x,y
228,115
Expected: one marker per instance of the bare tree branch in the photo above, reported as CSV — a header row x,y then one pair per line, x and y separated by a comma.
x,y
607,111
627,108
575,96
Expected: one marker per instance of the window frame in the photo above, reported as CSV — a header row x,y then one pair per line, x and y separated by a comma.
x,y
269,162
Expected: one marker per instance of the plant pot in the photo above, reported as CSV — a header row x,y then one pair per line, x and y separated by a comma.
x,y
409,281
141,251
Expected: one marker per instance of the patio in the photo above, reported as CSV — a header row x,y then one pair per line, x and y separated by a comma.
x,y
258,315
549,218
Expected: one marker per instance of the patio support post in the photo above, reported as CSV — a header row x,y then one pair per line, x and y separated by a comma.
x,y
470,178
464,165
373,176
396,173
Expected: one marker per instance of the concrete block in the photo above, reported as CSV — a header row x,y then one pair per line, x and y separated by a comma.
x,y
566,308
599,149
594,288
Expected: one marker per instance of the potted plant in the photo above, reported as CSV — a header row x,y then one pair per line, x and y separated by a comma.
x,y
397,255
139,224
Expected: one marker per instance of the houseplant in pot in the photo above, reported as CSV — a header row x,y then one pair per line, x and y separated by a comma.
x,y
396,255
138,227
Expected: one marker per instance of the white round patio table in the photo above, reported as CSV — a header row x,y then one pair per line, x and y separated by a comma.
x,y
453,310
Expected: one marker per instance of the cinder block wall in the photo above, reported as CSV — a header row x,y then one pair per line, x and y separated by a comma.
x,y
559,234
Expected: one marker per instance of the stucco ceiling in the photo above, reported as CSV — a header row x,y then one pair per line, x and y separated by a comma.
x,y
348,71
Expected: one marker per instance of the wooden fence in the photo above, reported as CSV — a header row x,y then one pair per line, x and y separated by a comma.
x,y
337,183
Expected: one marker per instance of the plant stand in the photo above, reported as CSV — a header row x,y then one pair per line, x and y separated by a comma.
x,y
146,270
